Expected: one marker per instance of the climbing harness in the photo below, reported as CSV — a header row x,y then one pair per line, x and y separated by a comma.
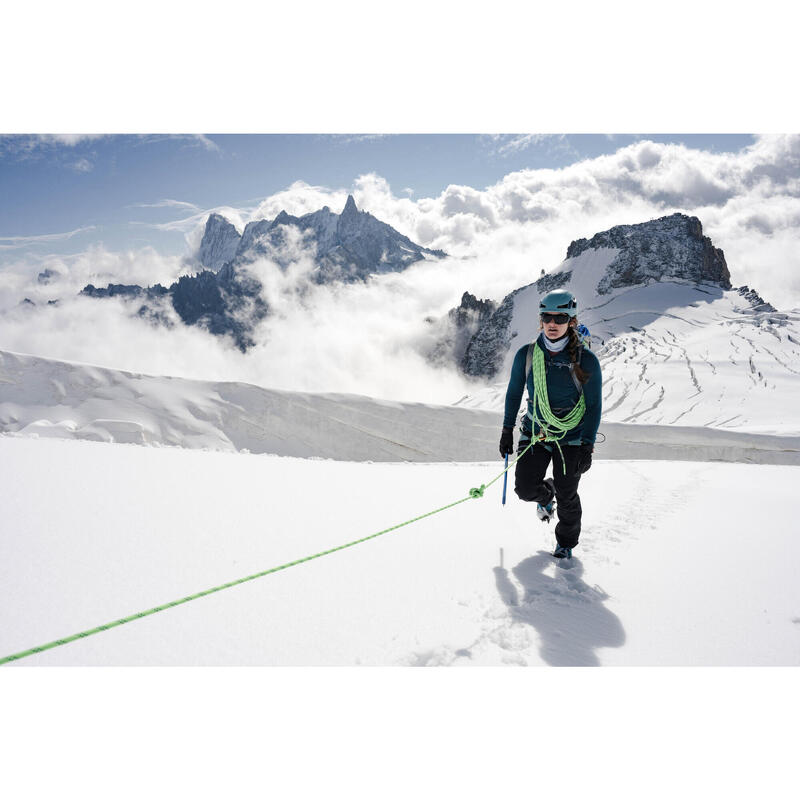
x,y
474,494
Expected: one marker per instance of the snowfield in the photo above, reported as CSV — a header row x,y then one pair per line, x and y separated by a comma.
x,y
680,563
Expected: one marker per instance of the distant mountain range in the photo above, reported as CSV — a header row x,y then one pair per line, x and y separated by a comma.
x,y
225,298
349,246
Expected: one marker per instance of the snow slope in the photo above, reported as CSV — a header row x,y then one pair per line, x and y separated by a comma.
x,y
55,399
669,570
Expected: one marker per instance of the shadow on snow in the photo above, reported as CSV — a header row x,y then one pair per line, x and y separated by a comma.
x,y
568,615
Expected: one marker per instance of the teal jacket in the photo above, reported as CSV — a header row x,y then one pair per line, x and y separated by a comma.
x,y
561,391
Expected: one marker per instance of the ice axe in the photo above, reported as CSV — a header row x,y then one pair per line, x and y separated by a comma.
x,y
505,480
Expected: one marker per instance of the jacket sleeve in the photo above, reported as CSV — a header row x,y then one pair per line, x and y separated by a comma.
x,y
516,386
593,394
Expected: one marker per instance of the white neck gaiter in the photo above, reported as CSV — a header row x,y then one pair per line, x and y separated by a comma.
x,y
556,346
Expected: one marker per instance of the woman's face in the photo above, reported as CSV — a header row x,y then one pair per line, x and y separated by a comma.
x,y
554,328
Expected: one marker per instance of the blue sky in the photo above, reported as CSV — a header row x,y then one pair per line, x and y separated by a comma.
x,y
111,185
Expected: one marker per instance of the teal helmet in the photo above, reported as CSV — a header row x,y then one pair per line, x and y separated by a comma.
x,y
559,301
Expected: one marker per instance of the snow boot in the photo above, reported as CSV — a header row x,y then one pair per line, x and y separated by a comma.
x,y
546,513
562,552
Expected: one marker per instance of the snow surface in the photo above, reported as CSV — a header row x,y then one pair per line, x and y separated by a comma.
x,y
669,570
55,399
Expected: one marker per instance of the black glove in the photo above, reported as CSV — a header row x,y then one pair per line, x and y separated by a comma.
x,y
507,442
584,461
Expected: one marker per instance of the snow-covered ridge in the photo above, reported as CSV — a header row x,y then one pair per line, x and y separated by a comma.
x,y
47,398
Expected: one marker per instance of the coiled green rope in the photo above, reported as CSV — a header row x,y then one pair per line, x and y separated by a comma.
x,y
551,428
474,494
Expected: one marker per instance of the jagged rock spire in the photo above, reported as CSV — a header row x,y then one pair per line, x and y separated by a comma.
x,y
350,208
219,243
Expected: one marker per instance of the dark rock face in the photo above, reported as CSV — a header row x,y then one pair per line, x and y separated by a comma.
x,y
668,247
226,303
548,283
471,310
219,244
486,350
47,276
229,304
757,303
460,325
125,290
484,354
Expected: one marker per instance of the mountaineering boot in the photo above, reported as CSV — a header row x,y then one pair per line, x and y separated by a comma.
x,y
562,552
545,513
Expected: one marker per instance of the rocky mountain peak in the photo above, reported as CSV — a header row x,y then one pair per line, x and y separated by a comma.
x,y
283,219
663,248
219,244
350,210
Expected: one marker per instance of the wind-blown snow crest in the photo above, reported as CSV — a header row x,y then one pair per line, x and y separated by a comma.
x,y
55,399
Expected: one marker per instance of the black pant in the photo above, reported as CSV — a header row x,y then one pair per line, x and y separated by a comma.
x,y
529,486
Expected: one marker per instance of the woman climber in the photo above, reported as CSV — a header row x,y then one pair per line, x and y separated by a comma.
x,y
564,403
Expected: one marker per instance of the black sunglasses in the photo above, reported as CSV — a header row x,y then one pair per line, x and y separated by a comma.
x,y
559,319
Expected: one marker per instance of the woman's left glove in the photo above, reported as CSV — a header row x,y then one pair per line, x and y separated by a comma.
x,y
584,462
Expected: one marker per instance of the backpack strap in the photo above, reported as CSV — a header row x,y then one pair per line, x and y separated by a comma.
x,y
529,363
578,384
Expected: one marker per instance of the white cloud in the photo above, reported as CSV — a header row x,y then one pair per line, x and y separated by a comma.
x,y
96,265
167,203
205,142
82,165
356,138
192,227
14,242
300,198
68,139
26,146
505,145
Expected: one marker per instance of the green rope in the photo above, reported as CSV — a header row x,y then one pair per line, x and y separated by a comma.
x,y
552,428
474,493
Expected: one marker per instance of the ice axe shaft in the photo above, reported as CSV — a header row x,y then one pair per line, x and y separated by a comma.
x,y
505,480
